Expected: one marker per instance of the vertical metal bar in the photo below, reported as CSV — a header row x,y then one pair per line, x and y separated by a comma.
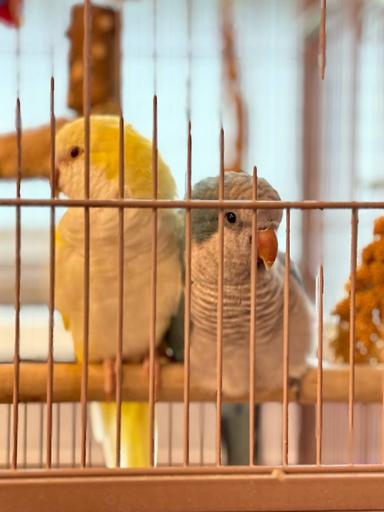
x,y
89,443
201,432
352,332
170,433
73,437
51,280
188,252
87,112
323,39
16,355
220,287
286,336
152,337
252,332
25,435
8,438
319,398
187,300
58,434
120,334
41,434
152,334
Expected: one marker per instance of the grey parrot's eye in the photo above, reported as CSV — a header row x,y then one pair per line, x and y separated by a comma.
x,y
75,151
231,217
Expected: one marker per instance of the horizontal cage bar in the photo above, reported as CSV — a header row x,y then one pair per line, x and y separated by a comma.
x,y
195,203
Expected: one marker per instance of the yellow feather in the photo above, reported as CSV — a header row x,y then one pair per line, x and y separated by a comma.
x,y
104,154
134,448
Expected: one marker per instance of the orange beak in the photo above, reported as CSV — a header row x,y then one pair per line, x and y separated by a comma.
x,y
267,247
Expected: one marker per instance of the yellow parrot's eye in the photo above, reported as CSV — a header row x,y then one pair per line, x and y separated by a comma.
x,y
75,151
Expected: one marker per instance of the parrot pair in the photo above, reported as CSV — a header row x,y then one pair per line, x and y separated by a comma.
x,y
104,275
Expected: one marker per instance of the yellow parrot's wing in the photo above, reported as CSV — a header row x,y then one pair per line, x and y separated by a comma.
x,y
135,446
63,299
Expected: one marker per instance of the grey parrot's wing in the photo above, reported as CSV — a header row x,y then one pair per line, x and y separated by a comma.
x,y
236,416
174,337
295,273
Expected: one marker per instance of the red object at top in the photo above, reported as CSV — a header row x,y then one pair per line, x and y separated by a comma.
x,y
10,12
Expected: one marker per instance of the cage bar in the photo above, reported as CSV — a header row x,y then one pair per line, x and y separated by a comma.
x,y
219,324
41,433
187,300
58,435
352,332
73,434
121,249
170,434
52,252
8,437
152,334
201,433
16,356
89,443
252,332
87,113
241,204
286,335
25,435
319,397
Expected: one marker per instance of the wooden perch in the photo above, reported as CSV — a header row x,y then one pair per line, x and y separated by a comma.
x,y
67,379
36,150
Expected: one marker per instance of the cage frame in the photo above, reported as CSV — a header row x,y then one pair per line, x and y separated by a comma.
x,y
218,488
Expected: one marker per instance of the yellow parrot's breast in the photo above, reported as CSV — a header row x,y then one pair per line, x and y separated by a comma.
x,y
104,287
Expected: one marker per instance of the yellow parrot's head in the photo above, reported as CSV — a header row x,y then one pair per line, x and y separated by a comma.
x,y
104,161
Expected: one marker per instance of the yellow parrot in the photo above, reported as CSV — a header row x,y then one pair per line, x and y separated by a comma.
x,y
104,268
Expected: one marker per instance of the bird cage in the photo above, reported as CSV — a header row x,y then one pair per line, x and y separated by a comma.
x,y
206,81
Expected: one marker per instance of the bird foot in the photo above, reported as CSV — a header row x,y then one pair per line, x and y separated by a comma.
x,y
294,384
111,373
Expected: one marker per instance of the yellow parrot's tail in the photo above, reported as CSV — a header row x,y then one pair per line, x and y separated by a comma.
x,y
134,448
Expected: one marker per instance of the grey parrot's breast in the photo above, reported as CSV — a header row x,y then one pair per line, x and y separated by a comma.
x,y
235,337
236,333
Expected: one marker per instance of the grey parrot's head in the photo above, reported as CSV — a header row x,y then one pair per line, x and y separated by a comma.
x,y
237,224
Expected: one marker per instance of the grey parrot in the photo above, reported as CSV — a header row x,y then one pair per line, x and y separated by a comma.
x,y
237,303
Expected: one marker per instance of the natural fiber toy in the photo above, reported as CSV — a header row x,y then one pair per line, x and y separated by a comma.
x,y
369,343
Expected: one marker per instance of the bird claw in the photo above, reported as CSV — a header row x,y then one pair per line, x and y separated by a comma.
x,y
294,384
